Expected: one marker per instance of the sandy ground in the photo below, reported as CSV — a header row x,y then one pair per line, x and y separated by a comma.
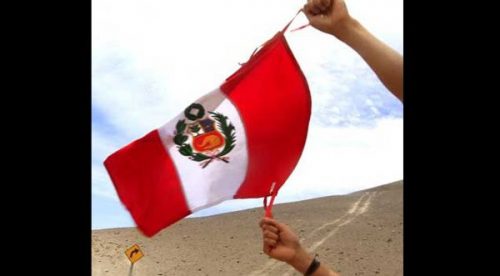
x,y
355,234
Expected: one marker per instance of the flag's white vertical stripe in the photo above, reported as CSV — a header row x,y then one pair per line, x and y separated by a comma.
x,y
219,181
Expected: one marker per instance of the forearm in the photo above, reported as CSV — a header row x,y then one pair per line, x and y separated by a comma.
x,y
384,61
302,261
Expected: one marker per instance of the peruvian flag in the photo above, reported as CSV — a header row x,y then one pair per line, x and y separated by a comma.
x,y
233,142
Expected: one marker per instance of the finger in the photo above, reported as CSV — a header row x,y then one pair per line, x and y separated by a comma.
x,y
325,5
270,242
280,226
265,221
320,5
270,228
269,221
315,10
306,9
309,13
270,235
311,8
316,3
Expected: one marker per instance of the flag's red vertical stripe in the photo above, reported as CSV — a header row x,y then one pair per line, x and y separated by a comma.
x,y
272,96
147,183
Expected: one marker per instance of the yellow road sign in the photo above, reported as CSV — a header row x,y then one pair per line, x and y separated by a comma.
x,y
134,253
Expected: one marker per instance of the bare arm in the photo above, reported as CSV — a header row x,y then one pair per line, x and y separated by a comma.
x,y
282,244
332,17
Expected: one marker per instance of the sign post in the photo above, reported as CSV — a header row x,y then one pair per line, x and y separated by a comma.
x,y
134,253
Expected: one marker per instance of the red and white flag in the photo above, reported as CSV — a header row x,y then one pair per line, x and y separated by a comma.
x,y
234,142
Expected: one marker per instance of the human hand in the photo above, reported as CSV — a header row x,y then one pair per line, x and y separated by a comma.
x,y
280,242
329,16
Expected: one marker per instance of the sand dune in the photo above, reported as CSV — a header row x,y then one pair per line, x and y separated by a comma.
x,y
356,234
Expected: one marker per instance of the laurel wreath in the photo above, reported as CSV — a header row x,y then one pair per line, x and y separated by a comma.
x,y
186,149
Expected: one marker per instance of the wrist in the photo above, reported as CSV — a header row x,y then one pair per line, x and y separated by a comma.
x,y
345,29
301,260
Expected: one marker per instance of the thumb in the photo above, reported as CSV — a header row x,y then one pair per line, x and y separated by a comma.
x,y
314,19
307,12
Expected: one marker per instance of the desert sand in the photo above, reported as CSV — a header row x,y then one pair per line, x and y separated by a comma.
x,y
356,234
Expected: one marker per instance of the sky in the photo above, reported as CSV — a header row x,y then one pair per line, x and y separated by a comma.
x,y
151,58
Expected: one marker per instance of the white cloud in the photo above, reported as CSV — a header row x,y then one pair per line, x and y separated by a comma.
x,y
342,160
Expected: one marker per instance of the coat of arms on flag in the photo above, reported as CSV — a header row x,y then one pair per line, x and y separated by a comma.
x,y
201,139
237,141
